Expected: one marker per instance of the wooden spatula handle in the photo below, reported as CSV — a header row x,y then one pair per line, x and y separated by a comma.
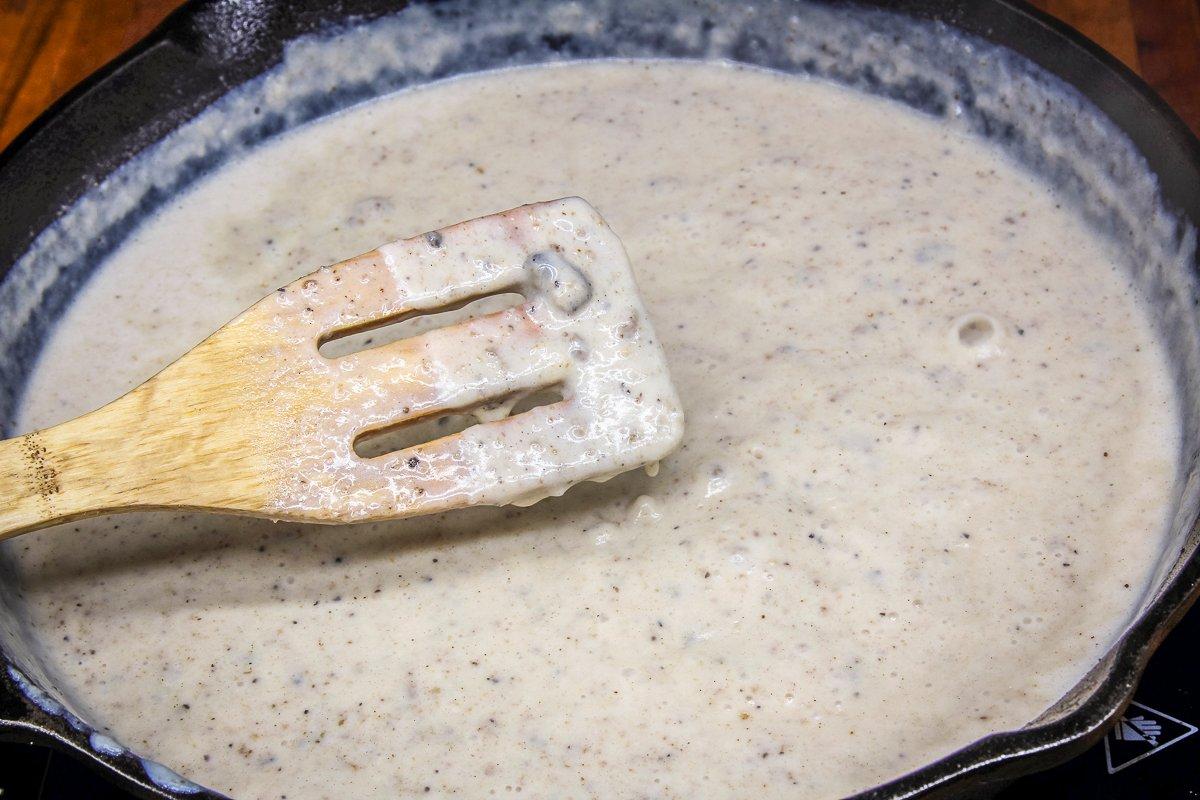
x,y
55,475
126,456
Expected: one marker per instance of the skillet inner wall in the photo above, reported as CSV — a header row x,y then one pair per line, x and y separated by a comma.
x,y
989,91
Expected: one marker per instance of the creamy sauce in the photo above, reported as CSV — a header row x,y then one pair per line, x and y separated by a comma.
x,y
929,455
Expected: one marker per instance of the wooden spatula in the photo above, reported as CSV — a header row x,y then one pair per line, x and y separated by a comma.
x,y
255,420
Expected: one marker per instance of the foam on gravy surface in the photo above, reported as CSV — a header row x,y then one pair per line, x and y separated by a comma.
x,y
929,453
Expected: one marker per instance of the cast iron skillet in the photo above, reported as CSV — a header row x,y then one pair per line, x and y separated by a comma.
x,y
209,46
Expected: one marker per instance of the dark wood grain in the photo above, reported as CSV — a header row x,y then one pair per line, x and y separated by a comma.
x,y
1159,39
1167,35
1108,23
46,46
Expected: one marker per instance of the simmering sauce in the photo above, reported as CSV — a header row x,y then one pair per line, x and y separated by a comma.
x,y
929,453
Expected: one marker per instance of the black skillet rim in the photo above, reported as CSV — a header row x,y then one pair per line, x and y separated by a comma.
x,y
238,53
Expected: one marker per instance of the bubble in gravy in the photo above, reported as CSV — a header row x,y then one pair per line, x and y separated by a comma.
x,y
977,333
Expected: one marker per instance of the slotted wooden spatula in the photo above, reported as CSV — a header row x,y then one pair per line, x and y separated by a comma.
x,y
255,420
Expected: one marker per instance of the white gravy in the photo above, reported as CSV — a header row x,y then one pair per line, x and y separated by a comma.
x,y
930,448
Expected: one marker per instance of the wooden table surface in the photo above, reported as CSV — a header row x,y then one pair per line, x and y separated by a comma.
x,y
46,46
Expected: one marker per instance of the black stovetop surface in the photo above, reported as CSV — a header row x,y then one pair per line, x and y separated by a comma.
x,y
1152,753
